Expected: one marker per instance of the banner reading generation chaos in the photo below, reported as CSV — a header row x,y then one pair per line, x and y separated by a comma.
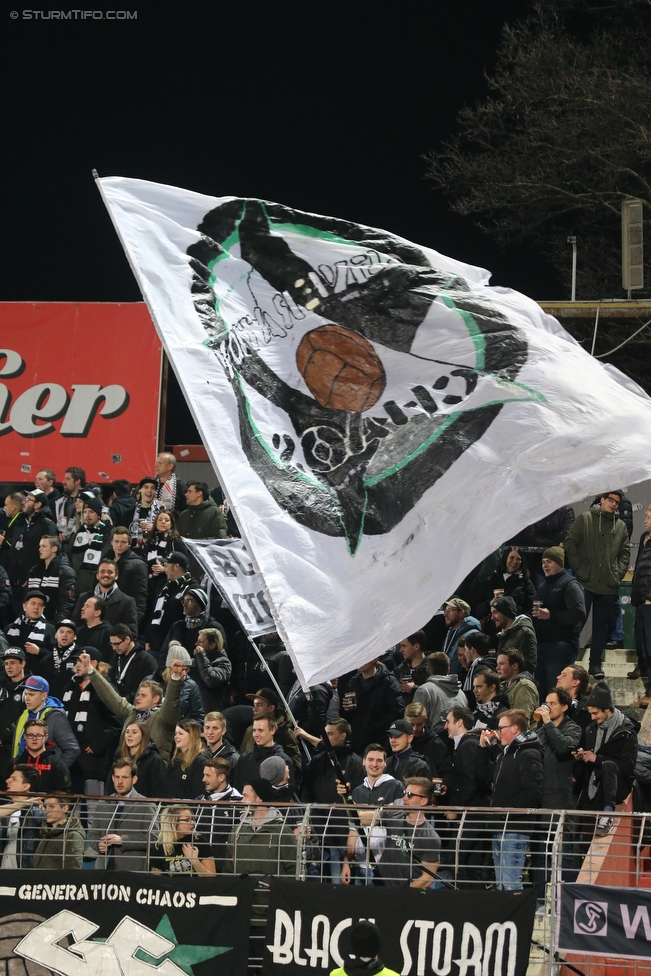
x,y
441,933
123,925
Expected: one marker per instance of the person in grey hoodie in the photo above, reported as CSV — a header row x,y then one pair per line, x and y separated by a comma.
x,y
441,692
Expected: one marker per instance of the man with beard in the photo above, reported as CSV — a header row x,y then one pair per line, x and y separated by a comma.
x,y
54,577
217,820
121,829
120,608
94,629
74,481
490,702
59,667
459,623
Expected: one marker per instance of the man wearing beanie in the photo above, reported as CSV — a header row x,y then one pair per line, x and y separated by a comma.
x,y
605,763
598,552
364,958
88,543
196,617
559,615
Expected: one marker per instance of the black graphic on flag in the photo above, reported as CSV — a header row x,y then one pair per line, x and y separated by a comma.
x,y
126,925
455,933
367,459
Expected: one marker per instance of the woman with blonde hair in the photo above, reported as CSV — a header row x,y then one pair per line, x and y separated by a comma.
x,y
185,772
178,848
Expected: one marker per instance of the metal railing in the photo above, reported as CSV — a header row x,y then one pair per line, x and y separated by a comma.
x,y
481,848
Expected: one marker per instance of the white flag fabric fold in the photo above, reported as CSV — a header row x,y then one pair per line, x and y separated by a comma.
x,y
379,417
229,567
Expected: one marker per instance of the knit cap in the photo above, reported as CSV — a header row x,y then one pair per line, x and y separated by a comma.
x,y
556,554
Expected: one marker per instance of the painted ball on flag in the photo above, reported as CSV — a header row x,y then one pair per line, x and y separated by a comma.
x,y
13,928
341,368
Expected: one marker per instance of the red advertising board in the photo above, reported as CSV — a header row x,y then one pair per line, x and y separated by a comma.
x,y
79,385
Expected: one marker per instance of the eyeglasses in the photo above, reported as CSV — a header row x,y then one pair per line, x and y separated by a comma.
x,y
614,500
410,795
117,643
500,728
34,735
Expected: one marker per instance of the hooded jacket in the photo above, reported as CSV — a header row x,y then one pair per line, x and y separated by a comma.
x,y
39,524
469,782
522,637
402,765
385,790
518,779
151,772
53,774
248,766
439,694
598,551
59,732
266,848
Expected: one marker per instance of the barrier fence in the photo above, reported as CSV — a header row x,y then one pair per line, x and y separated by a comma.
x,y
560,854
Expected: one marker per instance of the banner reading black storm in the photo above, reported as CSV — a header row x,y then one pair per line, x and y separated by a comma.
x,y
123,925
441,933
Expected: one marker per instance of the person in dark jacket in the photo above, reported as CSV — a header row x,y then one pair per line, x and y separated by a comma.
x,y
546,532
512,577
132,662
196,617
276,660
58,668
6,602
372,702
41,754
55,578
184,779
641,600
412,672
558,618
605,763
202,519
159,544
95,729
403,761
15,523
468,786
266,703
130,568
12,678
38,522
427,743
576,681
123,503
217,747
248,766
85,549
517,782
211,669
514,631
150,768
168,608
32,631
120,608
560,737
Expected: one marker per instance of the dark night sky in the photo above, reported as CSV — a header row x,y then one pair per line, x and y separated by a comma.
x,y
327,108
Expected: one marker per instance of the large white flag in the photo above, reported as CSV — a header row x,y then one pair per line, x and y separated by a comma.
x,y
380,418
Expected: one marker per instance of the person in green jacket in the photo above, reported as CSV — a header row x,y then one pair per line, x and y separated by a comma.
x,y
364,958
598,551
62,838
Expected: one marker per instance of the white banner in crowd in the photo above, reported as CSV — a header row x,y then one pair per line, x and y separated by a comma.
x,y
230,568
379,417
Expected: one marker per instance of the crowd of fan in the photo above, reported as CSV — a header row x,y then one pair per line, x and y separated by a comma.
x,y
125,675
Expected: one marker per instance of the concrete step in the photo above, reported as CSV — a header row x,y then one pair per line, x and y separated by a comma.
x,y
616,664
